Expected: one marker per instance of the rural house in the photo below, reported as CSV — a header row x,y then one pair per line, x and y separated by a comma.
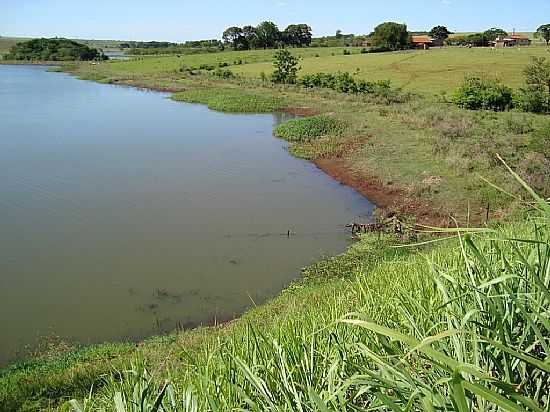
x,y
512,41
424,42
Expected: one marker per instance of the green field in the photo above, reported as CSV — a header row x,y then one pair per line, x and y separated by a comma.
x,y
431,71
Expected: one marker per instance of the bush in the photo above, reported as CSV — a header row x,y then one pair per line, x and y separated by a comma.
x,y
224,74
482,94
286,67
223,64
532,99
347,52
207,67
310,128
344,83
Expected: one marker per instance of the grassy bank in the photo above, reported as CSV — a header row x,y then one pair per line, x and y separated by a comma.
x,y
456,325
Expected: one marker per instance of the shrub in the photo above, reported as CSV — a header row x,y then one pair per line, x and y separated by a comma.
x,y
223,64
347,52
378,49
207,67
482,94
310,128
537,76
224,74
531,99
344,83
364,51
286,67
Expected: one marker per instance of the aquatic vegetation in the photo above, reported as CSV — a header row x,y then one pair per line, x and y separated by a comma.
x,y
309,128
230,100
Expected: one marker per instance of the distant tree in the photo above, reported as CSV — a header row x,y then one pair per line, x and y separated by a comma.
x,y
268,34
537,75
251,37
286,67
57,49
393,36
338,34
298,35
234,37
475,39
544,32
493,33
440,33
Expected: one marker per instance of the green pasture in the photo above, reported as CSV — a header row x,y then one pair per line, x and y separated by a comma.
x,y
431,71
426,71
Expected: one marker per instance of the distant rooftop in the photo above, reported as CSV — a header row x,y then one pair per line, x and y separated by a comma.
x,y
421,39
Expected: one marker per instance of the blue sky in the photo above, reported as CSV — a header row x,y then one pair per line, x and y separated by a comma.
x,y
179,20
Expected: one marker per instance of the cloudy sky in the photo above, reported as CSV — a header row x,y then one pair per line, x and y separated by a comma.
x,y
180,20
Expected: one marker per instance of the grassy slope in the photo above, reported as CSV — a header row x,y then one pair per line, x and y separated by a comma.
x,y
428,148
432,71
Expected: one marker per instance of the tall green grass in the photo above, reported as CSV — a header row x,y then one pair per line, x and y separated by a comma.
x,y
462,327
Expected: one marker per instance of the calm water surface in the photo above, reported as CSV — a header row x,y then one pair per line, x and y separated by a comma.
x,y
125,214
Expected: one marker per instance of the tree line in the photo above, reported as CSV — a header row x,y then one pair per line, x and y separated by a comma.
x,y
267,35
56,49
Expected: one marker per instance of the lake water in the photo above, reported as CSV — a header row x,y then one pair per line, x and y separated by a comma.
x,y
125,214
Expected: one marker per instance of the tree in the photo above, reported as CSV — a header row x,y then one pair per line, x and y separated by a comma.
x,y
544,32
493,33
286,67
268,34
440,33
234,36
251,37
393,36
339,34
298,35
537,76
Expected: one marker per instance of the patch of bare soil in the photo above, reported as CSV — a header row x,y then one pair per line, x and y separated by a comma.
x,y
300,111
391,200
